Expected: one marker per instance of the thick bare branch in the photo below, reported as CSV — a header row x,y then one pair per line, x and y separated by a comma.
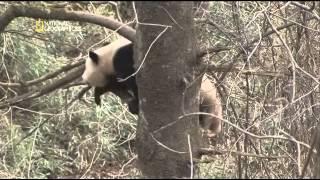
x,y
69,77
44,77
61,14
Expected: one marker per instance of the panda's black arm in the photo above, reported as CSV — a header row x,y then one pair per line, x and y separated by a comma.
x,y
133,104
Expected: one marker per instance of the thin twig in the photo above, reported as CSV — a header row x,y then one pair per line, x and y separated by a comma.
x,y
208,151
145,57
291,138
292,60
126,164
166,147
314,140
191,159
172,18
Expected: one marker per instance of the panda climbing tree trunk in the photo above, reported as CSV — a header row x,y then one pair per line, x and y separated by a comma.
x,y
168,86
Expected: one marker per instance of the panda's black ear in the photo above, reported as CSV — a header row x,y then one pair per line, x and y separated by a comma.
x,y
94,57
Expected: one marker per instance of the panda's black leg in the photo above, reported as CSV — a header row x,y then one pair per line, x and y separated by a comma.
x,y
134,102
97,100
134,106
98,91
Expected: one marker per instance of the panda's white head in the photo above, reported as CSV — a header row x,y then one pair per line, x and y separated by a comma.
x,y
100,63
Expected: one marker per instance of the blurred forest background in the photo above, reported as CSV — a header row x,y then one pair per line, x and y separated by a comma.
x,y
262,56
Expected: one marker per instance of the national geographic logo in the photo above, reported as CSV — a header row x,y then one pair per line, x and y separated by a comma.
x,y
55,26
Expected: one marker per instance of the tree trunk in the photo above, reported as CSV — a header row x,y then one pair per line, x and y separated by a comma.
x,y
168,89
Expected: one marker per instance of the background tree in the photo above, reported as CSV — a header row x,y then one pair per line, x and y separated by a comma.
x,y
316,145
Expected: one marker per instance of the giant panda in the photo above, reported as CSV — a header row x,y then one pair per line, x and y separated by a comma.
x,y
106,65
210,103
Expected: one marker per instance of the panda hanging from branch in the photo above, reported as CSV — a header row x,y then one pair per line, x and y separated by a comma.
x,y
106,65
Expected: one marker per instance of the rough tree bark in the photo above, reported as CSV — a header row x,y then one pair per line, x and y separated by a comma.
x,y
168,89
